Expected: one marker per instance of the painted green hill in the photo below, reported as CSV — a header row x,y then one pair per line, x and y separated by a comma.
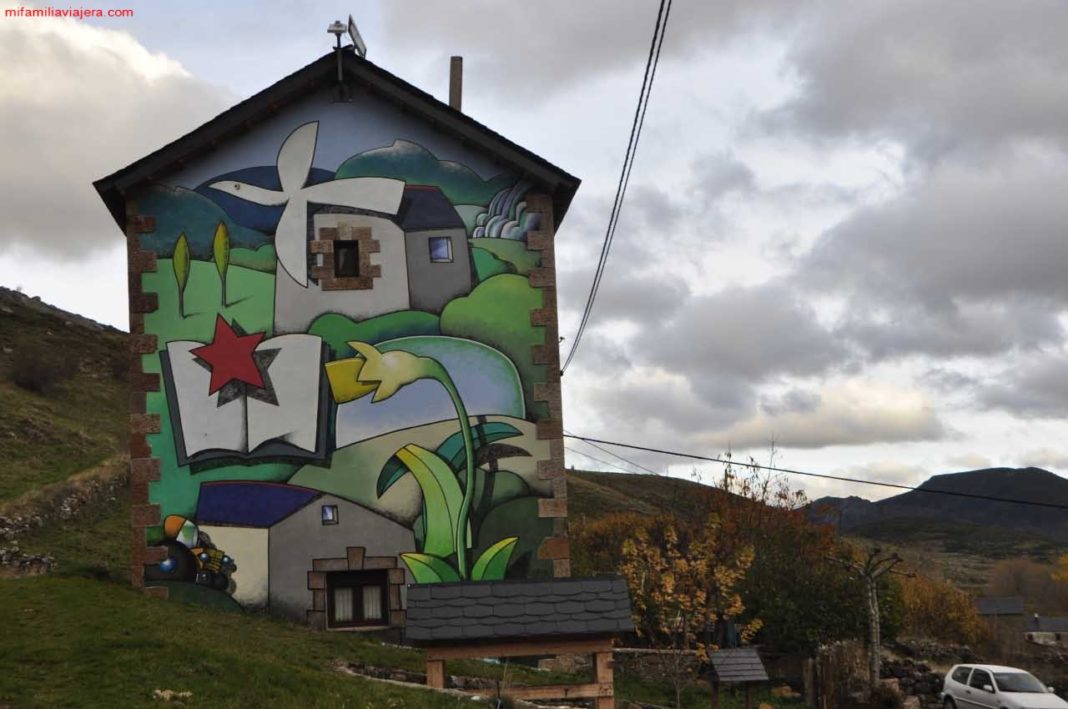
x,y
404,160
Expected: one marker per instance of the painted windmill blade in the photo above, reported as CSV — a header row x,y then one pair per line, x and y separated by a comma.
x,y
294,164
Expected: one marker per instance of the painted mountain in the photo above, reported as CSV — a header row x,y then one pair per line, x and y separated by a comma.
x,y
409,161
926,511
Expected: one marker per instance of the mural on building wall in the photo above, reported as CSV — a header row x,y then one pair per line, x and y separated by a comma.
x,y
347,362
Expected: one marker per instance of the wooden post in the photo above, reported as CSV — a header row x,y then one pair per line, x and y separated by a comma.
x,y
604,675
714,684
748,695
435,674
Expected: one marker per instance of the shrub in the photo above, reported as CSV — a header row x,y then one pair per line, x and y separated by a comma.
x,y
35,368
884,697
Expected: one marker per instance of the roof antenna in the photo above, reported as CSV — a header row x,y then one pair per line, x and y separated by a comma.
x,y
341,93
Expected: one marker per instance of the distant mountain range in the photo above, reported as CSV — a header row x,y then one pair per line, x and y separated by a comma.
x,y
929,509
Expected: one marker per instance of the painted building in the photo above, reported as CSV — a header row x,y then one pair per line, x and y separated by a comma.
x,y
345,373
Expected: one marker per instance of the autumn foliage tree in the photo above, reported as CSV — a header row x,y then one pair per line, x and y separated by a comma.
x,y
684,588
937,609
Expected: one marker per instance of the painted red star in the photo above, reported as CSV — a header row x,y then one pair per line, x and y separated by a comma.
x,y
230,357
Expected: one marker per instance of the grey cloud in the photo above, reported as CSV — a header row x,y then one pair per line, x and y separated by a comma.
x,y
793,401
678,405
1038,387
752,333
945,77
970,232
76,108
971,329
532,51
718,175
842,417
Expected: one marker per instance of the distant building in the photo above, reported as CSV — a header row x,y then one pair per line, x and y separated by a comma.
x,y
1047,631
1005,618
993,607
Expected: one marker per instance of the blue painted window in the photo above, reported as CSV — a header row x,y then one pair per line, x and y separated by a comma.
x,y
441,249
329,514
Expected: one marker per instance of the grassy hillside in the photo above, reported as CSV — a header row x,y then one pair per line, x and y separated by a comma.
x,y
81,417
594,494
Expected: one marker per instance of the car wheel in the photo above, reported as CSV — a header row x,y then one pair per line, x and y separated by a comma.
x,y
949,704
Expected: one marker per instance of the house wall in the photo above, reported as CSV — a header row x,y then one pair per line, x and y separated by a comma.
x,y
296,306
218,250
248,546
297,541
433,285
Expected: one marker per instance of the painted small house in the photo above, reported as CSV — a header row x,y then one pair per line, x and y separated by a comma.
x,y
345,373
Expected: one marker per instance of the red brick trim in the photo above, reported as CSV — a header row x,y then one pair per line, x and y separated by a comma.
x,y
144,468
550,429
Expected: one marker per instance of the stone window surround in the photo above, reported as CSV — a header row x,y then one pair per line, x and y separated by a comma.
x,y
324,245
355,559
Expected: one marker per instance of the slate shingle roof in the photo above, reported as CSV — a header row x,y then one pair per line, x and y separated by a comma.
x,y
504,610
1049,625
740,664
1011,605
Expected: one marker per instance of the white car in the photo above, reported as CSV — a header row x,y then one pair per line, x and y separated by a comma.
x,y
996,687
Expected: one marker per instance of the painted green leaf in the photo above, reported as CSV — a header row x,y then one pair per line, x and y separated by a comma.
x,y
451,450
427,568
494,561
180,261
221,248
441,497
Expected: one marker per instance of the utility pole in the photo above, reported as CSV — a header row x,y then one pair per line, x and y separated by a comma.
x,y
870,570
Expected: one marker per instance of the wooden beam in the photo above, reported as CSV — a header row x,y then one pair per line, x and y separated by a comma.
x,y
561,691
521,648
435,674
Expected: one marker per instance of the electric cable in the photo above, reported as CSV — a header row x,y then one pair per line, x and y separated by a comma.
x,y
624,176
825,476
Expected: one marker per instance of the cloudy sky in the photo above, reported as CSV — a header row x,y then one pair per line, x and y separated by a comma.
x,y
846,232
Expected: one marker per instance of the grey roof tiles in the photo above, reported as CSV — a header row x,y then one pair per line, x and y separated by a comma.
x,y
499,610
740,664
1010,605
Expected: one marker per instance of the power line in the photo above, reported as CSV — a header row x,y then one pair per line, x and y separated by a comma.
x,y
624,176
825,476
602,462
614,455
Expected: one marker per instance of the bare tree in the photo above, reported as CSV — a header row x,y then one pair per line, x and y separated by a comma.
x,y
870,569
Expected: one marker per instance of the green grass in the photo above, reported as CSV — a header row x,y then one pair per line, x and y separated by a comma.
x,y
78,642
100,643
44,438
695,697
96,544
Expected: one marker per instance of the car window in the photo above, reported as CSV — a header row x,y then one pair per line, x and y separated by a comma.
x,y
961,674
1018,682
980,678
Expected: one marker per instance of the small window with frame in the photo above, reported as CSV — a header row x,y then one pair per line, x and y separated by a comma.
x,y
440,249
329,514
357,599
346,259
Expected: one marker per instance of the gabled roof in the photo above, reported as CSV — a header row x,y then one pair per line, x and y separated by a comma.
x,y
323,73
1009,605
250,504
500,610
427,207
740,664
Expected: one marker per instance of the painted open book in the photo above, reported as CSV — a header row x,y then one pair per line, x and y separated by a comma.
x,y
281,413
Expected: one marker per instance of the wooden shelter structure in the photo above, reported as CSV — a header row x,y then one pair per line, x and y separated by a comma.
x,y
523,619
740,665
